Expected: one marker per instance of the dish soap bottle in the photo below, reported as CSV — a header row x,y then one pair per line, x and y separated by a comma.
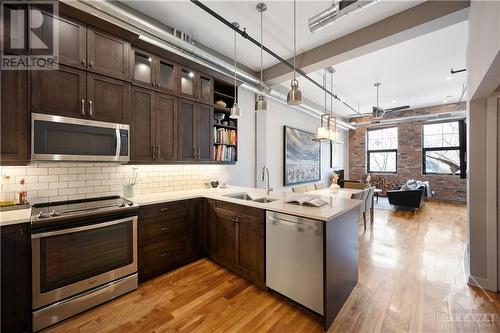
x,y
22,194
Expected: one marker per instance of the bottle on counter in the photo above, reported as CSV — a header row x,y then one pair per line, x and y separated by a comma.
x,y
7,195
22,194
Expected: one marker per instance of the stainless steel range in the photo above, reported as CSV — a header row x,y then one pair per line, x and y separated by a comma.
x,y
84,253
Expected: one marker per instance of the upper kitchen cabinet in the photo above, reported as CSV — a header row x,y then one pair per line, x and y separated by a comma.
x,y
85,95
107,54
195,85
14,136
107,99
60,92
194,141
153,72
72,38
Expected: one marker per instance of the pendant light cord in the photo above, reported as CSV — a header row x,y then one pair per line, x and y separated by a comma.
x,y
235,68
294,35
261,44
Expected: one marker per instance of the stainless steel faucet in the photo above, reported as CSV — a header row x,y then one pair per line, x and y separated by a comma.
x,y
265,172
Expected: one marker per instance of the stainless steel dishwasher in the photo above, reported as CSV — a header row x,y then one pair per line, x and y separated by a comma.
x,y
294,258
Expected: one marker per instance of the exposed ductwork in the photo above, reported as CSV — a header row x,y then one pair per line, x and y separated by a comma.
x,y
336,11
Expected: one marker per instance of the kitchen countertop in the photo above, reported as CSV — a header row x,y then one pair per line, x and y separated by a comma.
x,y
338,203
15,216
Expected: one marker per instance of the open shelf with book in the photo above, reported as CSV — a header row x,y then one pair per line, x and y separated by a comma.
x,y
225,145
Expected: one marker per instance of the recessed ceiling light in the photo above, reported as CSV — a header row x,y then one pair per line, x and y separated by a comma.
x,y
394,101
445,101
448,78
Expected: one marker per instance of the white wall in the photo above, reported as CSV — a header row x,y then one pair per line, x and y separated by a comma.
x,y
483,76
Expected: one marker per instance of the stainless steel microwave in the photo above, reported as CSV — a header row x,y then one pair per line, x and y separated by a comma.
x,y
56,138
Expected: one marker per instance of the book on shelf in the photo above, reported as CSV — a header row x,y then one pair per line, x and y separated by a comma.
x,y
224,153
225,136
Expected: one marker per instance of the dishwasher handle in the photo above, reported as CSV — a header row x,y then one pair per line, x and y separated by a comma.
x,y
301,227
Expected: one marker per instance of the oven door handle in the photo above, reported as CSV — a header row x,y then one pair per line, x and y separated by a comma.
x,y
84,228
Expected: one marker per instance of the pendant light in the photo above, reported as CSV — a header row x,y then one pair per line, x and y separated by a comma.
x,y
323,131
294,96
334,134
261,103
235,110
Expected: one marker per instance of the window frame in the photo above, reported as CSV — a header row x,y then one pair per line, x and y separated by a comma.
x,y
462,150
369,151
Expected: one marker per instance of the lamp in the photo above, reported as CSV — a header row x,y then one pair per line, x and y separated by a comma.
x,y
294,96
235,109
323,131
261,103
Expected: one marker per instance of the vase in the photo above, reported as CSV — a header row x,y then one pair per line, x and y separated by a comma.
x,y
334,188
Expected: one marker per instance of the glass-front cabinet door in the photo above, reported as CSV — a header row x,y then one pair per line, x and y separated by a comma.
x,y
143,68
165,77
205,86
188,83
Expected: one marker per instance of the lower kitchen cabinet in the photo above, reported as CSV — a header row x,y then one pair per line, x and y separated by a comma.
x,y
167,237
235,239
16,286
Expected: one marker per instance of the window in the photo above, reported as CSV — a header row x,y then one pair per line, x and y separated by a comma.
x,y
382,150
444,148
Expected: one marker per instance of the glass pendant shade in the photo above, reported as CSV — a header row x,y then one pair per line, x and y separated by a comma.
x,y
235,111
261,103
323,131
294,96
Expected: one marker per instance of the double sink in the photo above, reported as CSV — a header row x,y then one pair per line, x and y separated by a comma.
x,y
247,197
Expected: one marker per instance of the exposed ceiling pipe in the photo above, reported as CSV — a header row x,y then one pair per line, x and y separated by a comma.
x,y
245,35
336,11
426,117
157,36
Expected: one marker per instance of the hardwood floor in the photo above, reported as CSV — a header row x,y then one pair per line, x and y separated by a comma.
x,y
411,278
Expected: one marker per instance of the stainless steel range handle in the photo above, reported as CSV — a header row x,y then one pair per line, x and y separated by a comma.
x,y
84,228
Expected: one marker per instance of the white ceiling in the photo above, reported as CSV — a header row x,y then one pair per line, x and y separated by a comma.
x,y
415,72
278,24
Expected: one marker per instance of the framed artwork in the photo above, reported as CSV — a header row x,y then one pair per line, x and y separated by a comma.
x,y
302,157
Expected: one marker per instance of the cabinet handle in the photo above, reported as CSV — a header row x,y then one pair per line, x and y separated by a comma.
x,y
83,62
157,84
91,109
83,107
158,152
164,229
153,152
164,254
20,231
164,209
91,63
199,153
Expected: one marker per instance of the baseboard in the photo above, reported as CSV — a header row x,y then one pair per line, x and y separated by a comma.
x,y
475,281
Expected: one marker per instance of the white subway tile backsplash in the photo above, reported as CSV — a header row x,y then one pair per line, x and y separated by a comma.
x,y
77,180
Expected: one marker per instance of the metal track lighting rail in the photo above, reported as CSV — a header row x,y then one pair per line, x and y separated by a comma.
x,y
245,35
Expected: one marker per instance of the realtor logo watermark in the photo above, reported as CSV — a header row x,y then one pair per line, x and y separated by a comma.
x,y
30,37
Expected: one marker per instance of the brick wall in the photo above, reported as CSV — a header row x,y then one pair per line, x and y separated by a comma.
x,y
409,159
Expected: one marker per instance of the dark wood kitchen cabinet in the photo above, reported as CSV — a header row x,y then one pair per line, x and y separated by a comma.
x,y
107,54
195,135
167,237
72,38
86,95
153,72
15,284
152,126
14,113
107,99
235,239
195,85
60,92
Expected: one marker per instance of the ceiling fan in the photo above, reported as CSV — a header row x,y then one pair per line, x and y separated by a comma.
x,y
378,112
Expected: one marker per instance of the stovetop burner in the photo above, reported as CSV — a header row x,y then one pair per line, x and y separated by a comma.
x,y
60,209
